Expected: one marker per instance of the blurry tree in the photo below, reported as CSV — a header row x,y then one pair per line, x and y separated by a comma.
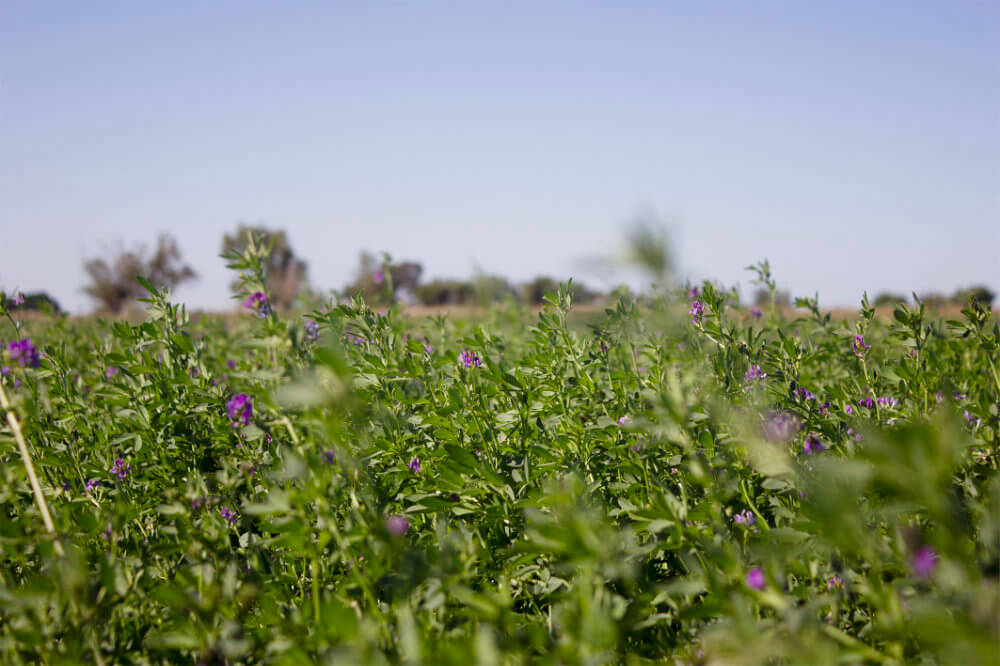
x,y
284,274
381,281
887,298
534,291
445,292
113,280
38,301
763,297
491,289
932,299
980,293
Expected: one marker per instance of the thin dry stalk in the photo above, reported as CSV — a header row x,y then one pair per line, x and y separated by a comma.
x,y
22,445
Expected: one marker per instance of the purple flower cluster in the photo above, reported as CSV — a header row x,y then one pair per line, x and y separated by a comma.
x,y
696,312
379,276
834,582
312,330
867,403
780,426
755,579
755,312
24,353
397,525
18,299
887,402
923,562
744,517
857,436
694,292
622,420
257,302
805,394
111,371
414,465
240,408
121,468
812,444
754,373
228,514
860,348
91,485
469,359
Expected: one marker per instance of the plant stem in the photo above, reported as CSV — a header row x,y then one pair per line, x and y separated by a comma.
x,y
22,446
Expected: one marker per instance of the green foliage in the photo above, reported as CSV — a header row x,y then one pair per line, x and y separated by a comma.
x,y
571,498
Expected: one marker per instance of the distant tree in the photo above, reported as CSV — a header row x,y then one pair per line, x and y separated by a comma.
x,y
979,293
38,301
887,298
491,289
445,292
533,292
284,274
385,281
932,299
113,280
763,297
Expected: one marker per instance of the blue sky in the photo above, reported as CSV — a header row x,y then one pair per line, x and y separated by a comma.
x,y
855,145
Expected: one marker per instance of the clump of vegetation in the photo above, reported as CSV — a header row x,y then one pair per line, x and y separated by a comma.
x,y
284,273
671,485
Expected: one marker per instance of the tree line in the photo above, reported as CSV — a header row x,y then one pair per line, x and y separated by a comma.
x,y
111,280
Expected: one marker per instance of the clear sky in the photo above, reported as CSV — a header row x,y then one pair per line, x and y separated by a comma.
x,y
854,144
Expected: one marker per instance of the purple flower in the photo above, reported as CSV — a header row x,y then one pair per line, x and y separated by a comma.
x,y
91,485
923,562
24,353
312,330
860,348
834,581
230,364
397,525
429,349
824,408
971,419
622,420
329,456
257,301
228,514
868,403
754,373
696,312
755,579
857,437
744,517
240,408
805,394
755,312
469,359
694,292
939,396
4,370
780,426
959,396
193,372
414,465
111,371
121,468
812,445
887,402
379,276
